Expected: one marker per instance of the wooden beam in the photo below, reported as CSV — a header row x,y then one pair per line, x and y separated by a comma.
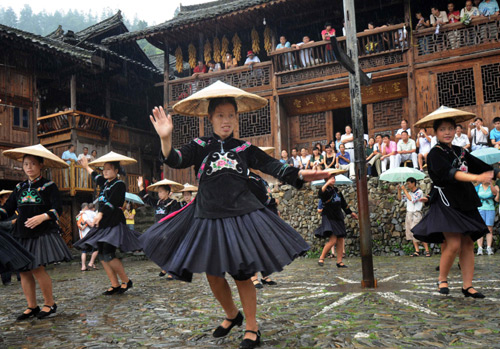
x,y
166,74
73,92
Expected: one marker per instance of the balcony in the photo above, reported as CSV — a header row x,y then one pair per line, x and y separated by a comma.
x,y
456,39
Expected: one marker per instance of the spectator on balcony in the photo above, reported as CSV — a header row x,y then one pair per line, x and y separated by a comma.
x,y
338,141
469,12
213,67
495,133
424,147
422,23
329,157
344,161
251,59
389,152
374,158
438,19
407,150
69,155
489,31
304,159
372,45
489,8
478,135
347,140
453,17
230,62
306,57
93,155
200,69
287,58
84,176
460,139
86,154
404,127
295,158
326,34
316,162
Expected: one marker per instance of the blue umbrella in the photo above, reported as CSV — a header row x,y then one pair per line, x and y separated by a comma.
x,y
401,174
133,198
489,155
339,180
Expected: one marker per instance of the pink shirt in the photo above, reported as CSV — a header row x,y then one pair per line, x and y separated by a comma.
x,y
393,147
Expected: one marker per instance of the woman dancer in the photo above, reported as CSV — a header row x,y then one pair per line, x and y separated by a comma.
x,y
332,222
187,194
453,215
110,230
231,233
38,204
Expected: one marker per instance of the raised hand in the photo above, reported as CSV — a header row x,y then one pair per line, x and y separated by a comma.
x,y
162,123
84,162
140,182
485,176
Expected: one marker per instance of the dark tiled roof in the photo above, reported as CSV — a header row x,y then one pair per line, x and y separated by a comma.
x,y
46,44
187,15
56,34
103,26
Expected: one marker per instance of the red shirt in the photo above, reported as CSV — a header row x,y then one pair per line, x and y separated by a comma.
x,y
332,33
198,70
453,20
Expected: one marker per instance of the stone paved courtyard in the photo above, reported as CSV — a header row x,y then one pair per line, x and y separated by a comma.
x,y
311,307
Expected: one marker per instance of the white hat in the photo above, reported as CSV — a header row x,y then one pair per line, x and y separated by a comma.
x,y
174,186
49,158
112,157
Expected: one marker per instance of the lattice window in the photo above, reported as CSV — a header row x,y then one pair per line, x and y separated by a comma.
x,y
207,127
185,129
257,123
387,113
491,82
456,88
312,125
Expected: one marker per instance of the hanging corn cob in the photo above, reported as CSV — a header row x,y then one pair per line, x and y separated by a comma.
x,y
207,51
236,47
192,56
255,41
178,60
268,45
225,47
217,51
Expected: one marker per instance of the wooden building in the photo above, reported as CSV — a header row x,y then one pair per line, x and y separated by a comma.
x,y
413,73
69,88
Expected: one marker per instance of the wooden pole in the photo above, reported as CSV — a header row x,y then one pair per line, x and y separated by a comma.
x,y
166,75
73,91
359,151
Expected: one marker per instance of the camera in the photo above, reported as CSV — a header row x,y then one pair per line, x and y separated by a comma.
x,y
473,124
421,134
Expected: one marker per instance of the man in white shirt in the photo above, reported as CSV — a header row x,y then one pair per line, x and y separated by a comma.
x,y
478,135
460,139
83,174
404,127
412,197
85,221
347,139
306,57
424,147
295,158
438,17
407,150
377,154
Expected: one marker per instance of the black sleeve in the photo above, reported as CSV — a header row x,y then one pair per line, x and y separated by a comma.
x,y
258,159
181,158
55,203
325,195
10,206
476,165
176,206
344,204
148,198
440,165
115,199
98,179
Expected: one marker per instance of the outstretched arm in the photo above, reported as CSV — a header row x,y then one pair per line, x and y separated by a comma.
x,y
163,126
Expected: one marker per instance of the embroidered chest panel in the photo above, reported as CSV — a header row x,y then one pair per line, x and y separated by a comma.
x,y
29,196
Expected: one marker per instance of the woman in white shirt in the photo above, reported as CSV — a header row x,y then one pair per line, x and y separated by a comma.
x,y
304,159
424,147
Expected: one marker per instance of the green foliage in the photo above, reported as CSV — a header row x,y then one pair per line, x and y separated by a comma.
x,y
408,248
313,254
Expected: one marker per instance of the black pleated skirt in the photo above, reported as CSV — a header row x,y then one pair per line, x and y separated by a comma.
x,y
13,256
442,218
46,249
259,241
120,236
330,227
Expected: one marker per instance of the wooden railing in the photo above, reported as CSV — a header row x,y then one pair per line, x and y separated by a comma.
x,y
453,36
61,122
132,186
373,42
257,78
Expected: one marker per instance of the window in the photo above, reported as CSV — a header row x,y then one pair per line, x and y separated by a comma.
x,y
21,117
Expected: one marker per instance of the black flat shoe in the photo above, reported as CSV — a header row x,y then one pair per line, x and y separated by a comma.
x,y
162,274
321,262
44,314
33,312
111,291
248,343
129,284
257,284
265,281
341,265
222,332
170,278
443,290
473,295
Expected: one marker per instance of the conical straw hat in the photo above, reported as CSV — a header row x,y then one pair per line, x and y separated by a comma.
x,y
49,158
189,187
197,104
268,150
334,171
174,186
113,157
444,112
3,192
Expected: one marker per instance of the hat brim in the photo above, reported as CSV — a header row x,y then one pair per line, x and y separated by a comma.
x,y
334,171
112,157
49,158
268,150
190,188
445,113
174,186
197,104
4,192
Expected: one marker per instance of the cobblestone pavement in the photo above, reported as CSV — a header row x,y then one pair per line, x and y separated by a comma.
x,y
311,306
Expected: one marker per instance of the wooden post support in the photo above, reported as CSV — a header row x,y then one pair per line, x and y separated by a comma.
x,y
72,87
166,75
359,151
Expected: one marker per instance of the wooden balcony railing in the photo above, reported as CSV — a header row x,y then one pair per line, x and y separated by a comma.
x,y
373,42
258,78
481,31
132,186
62,122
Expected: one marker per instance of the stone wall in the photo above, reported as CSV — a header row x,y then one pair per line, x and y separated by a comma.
x,y
387,216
